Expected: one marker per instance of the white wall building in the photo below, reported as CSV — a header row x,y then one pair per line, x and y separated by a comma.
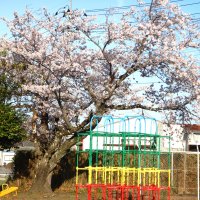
x,y
117,125
6,157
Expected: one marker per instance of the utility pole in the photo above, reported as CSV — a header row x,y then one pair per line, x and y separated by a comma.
x,y
71,5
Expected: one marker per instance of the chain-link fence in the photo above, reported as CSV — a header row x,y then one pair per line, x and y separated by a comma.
x,y
185,173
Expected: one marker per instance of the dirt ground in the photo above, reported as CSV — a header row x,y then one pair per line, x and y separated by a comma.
x,y
69,196
54,196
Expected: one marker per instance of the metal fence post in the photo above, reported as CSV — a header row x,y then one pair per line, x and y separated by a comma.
x,y
172,169
184,171
198,171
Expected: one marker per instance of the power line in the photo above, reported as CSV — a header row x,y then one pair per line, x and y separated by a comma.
x,y
124,7
136,5
146,83
190,4
101,30
195,14
103,26
120,13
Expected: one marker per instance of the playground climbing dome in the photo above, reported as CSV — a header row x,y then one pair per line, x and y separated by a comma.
x,y
122,160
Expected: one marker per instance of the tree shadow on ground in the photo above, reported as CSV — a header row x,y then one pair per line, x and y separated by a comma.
x,y
66,169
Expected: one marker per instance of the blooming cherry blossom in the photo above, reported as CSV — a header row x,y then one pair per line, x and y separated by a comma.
x,y
77,67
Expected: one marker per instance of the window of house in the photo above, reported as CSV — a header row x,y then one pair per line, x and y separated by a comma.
x,y
194,142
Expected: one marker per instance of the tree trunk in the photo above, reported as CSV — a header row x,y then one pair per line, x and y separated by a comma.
x,y
47,163
42,179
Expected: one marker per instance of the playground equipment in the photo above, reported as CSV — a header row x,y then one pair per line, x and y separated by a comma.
x,y
7,190
122,160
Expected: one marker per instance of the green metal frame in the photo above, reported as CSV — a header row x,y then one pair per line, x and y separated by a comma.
x,y
135,149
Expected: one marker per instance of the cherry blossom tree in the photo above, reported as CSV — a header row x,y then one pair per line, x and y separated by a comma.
x,y
76,66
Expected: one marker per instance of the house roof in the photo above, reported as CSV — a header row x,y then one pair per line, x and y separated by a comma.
x,y
193,127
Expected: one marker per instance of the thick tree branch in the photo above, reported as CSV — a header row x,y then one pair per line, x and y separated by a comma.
x,y
166,107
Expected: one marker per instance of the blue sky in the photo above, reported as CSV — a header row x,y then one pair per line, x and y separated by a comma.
x,y
9,6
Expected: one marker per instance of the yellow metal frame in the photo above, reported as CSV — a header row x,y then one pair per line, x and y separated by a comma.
x,y
124,175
